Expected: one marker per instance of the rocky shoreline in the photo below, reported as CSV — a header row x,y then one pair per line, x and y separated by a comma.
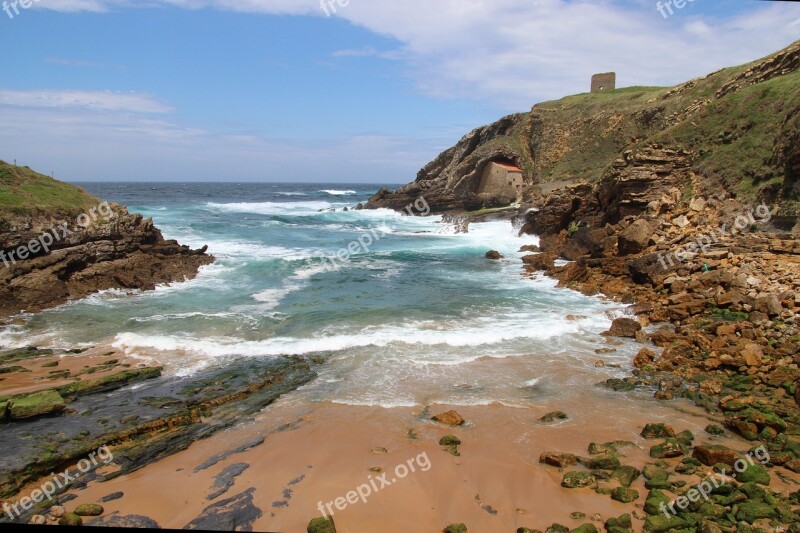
x,y
118,251
71,414
719,326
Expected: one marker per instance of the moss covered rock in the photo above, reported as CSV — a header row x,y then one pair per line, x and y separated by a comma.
x,y
670,448
70,519
658,431
755,473
89,509
574,480
655,498
449,440
455,528
321,525
626,475
661,523
36,404
604,462
752,511
624,495
622,524
554,416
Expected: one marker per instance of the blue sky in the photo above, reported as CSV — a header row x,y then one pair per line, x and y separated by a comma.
x,y
275,90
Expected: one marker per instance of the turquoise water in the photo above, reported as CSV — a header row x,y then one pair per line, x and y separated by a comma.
x,y
416,315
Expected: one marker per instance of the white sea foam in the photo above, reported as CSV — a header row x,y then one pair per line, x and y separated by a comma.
x,y
336,192
272,208
462,334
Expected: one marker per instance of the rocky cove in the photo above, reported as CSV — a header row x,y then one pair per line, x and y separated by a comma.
x,y
714,335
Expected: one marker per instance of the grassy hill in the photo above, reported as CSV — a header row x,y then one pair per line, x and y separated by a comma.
x,y
24,192
739,126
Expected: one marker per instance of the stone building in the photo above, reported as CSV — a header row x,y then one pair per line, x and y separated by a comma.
x,y
606,81
502,180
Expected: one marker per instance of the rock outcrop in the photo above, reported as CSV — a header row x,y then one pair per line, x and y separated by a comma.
x,y
634,149
124,251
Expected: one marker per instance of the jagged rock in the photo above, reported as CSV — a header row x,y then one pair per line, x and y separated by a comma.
x,y
126,252
539,262
624,327
643,358
635,238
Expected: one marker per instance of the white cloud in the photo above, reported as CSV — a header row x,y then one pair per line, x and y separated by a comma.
x,y
508,54
512,53
87,100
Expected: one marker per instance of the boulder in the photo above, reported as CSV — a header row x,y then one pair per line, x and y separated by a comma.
x,y
635,238
575,480
554,416
657,431
70,519
89,509
451,418
494,255
449,440
624,495
644,358
668,449
769,305
321,525
624,327
540,262
711,455
558,459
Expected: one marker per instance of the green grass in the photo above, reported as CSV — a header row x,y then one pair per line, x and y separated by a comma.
x,y
736,134
25,192
726,314
732,138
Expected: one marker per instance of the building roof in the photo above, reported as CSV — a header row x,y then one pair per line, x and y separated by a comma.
x,y
510,168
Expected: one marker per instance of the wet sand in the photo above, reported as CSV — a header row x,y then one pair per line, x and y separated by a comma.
x,y
316,453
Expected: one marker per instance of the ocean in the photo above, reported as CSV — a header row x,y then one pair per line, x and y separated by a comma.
x,y
414,314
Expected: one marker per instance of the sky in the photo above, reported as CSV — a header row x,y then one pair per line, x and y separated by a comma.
x,y
327,91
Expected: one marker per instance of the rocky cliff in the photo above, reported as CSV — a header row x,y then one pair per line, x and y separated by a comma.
x,y
737,129
58,243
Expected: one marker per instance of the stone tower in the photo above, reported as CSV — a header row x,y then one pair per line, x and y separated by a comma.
x,y
604,82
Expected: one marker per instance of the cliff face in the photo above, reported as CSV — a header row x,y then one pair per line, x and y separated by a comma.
x,y
736,128
76,245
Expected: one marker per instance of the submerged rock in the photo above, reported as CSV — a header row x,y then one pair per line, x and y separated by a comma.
x,y
554,416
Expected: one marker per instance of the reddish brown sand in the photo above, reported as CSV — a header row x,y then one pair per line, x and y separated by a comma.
x,y
496,485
